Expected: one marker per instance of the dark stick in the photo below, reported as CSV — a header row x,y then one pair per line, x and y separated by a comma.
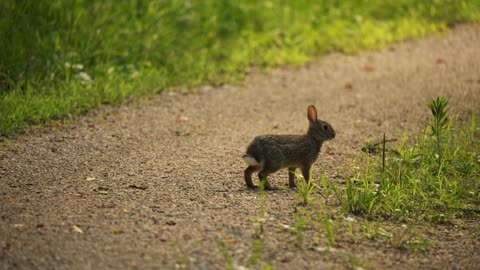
x,y
384,141
383,154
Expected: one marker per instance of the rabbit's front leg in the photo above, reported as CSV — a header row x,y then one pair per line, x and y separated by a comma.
x,y
306,172
291,178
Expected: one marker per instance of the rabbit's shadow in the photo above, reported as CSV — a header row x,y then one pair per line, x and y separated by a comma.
x,y
258,190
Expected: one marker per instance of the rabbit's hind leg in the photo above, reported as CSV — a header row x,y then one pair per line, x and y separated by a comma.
x,y
291,178
248,176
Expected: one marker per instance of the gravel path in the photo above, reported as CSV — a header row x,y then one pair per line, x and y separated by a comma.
x,y
159,183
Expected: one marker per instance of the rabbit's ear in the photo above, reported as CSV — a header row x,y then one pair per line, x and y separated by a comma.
x,y
312,113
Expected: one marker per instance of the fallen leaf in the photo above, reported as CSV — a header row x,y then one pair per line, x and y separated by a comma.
x,y
368,68
117,231
171,223
348,86
55,124
76,229
182,118
440,61
90,178
103,192
180,133
229,241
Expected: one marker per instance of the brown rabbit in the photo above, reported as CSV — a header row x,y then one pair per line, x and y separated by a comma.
x,y
269,153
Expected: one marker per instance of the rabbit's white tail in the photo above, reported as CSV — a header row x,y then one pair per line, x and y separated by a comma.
x,y
250,160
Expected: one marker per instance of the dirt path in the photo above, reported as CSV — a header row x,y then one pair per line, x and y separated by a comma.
x,y
168,179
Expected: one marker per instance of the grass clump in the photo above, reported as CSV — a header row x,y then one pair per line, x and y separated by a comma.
x,y
63,58
304,189
433,177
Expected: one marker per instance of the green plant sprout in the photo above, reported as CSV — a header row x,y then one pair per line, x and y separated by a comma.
x,y
304,188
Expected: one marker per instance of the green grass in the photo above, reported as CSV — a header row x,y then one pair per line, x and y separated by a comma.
x,y
304,188
433,177
63,58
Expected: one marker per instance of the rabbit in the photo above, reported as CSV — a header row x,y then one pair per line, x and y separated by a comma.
x,y
269,153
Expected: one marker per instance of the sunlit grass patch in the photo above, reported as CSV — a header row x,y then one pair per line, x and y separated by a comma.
x,y
62,58
434,176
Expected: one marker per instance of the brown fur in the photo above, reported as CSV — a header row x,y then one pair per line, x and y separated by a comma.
x,y
274,152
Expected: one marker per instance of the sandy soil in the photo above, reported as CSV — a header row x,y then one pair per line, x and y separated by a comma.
x,y
158,183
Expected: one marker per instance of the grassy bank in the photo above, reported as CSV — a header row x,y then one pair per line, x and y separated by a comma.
x,y
433,177
62,58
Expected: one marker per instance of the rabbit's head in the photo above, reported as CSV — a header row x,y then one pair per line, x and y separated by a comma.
x,y
320,130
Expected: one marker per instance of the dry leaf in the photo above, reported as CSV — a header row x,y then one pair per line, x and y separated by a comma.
x,y
180,133
76,229
348,86
117,231
368,68
171,223
182,118
229,241
55,124
90,178
440,61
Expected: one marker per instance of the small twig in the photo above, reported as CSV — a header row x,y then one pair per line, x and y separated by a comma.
x,y
137,187
373,147
383,154
384,141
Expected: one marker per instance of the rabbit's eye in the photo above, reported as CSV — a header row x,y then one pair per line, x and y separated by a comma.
x,y
325,127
